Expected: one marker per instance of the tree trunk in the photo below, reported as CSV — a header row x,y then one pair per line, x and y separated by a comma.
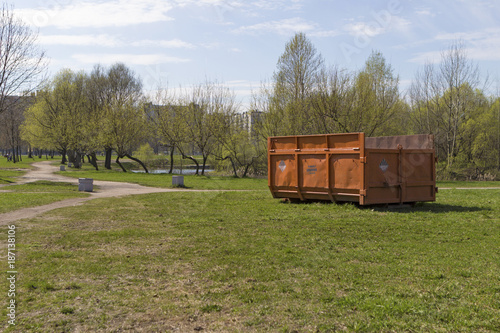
x,y
14,155
233,165
93,161
29,152
64,159
71,157
204,164
107,161
78,160
246,168
118,162
138,161
195,162
171,160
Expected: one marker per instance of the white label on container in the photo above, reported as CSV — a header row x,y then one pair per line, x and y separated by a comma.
x,y
282,166
383,165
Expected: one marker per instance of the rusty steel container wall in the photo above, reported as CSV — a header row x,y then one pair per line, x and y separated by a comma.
x,y
324,167
340,167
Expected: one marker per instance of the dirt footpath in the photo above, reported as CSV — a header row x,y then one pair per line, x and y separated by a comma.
x,y
45,171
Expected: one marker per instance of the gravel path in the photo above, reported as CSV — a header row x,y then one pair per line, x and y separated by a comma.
x,y
45,171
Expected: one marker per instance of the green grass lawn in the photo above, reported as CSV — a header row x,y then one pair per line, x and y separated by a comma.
x,y
242,261
36,194
469,184
9,176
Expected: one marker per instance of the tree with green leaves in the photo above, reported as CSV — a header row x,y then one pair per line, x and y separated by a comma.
x,y
57,118
124,117
237,147
443,98
10,122
167,119
377,97
298,68
478,145
334,101
295,79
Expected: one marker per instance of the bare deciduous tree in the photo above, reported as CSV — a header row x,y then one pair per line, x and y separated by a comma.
x,y
21,60
443,98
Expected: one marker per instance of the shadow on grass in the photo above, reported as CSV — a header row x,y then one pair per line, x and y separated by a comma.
x,y
48,183
426,207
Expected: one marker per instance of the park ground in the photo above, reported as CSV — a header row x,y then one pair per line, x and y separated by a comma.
x,y
230,258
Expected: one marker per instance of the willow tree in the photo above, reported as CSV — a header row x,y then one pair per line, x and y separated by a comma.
x,y
124,117
57,118
97,99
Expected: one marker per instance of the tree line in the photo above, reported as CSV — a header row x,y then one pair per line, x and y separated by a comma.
x,y
80,114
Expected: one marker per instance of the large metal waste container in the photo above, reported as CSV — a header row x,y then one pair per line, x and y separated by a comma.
x,y
350,167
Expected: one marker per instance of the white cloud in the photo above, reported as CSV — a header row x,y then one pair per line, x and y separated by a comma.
x,y
80,40
472,36
133,59
362,28
380,24
245,4
431,57
97,14
171,44
110,41
278,4
282,27
480,45
425,12
324,33
212,45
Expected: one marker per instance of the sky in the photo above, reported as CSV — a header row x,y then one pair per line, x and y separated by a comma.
x,y
181,43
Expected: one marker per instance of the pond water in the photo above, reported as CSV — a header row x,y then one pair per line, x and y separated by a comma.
x,y
175,171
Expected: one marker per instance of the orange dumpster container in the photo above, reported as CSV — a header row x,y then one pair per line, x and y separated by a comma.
x,y
350,167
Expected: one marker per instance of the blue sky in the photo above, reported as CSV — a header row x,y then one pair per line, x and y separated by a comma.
x,y
183,42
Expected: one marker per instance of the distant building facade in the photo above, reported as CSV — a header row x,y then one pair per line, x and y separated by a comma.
x,y
249,120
